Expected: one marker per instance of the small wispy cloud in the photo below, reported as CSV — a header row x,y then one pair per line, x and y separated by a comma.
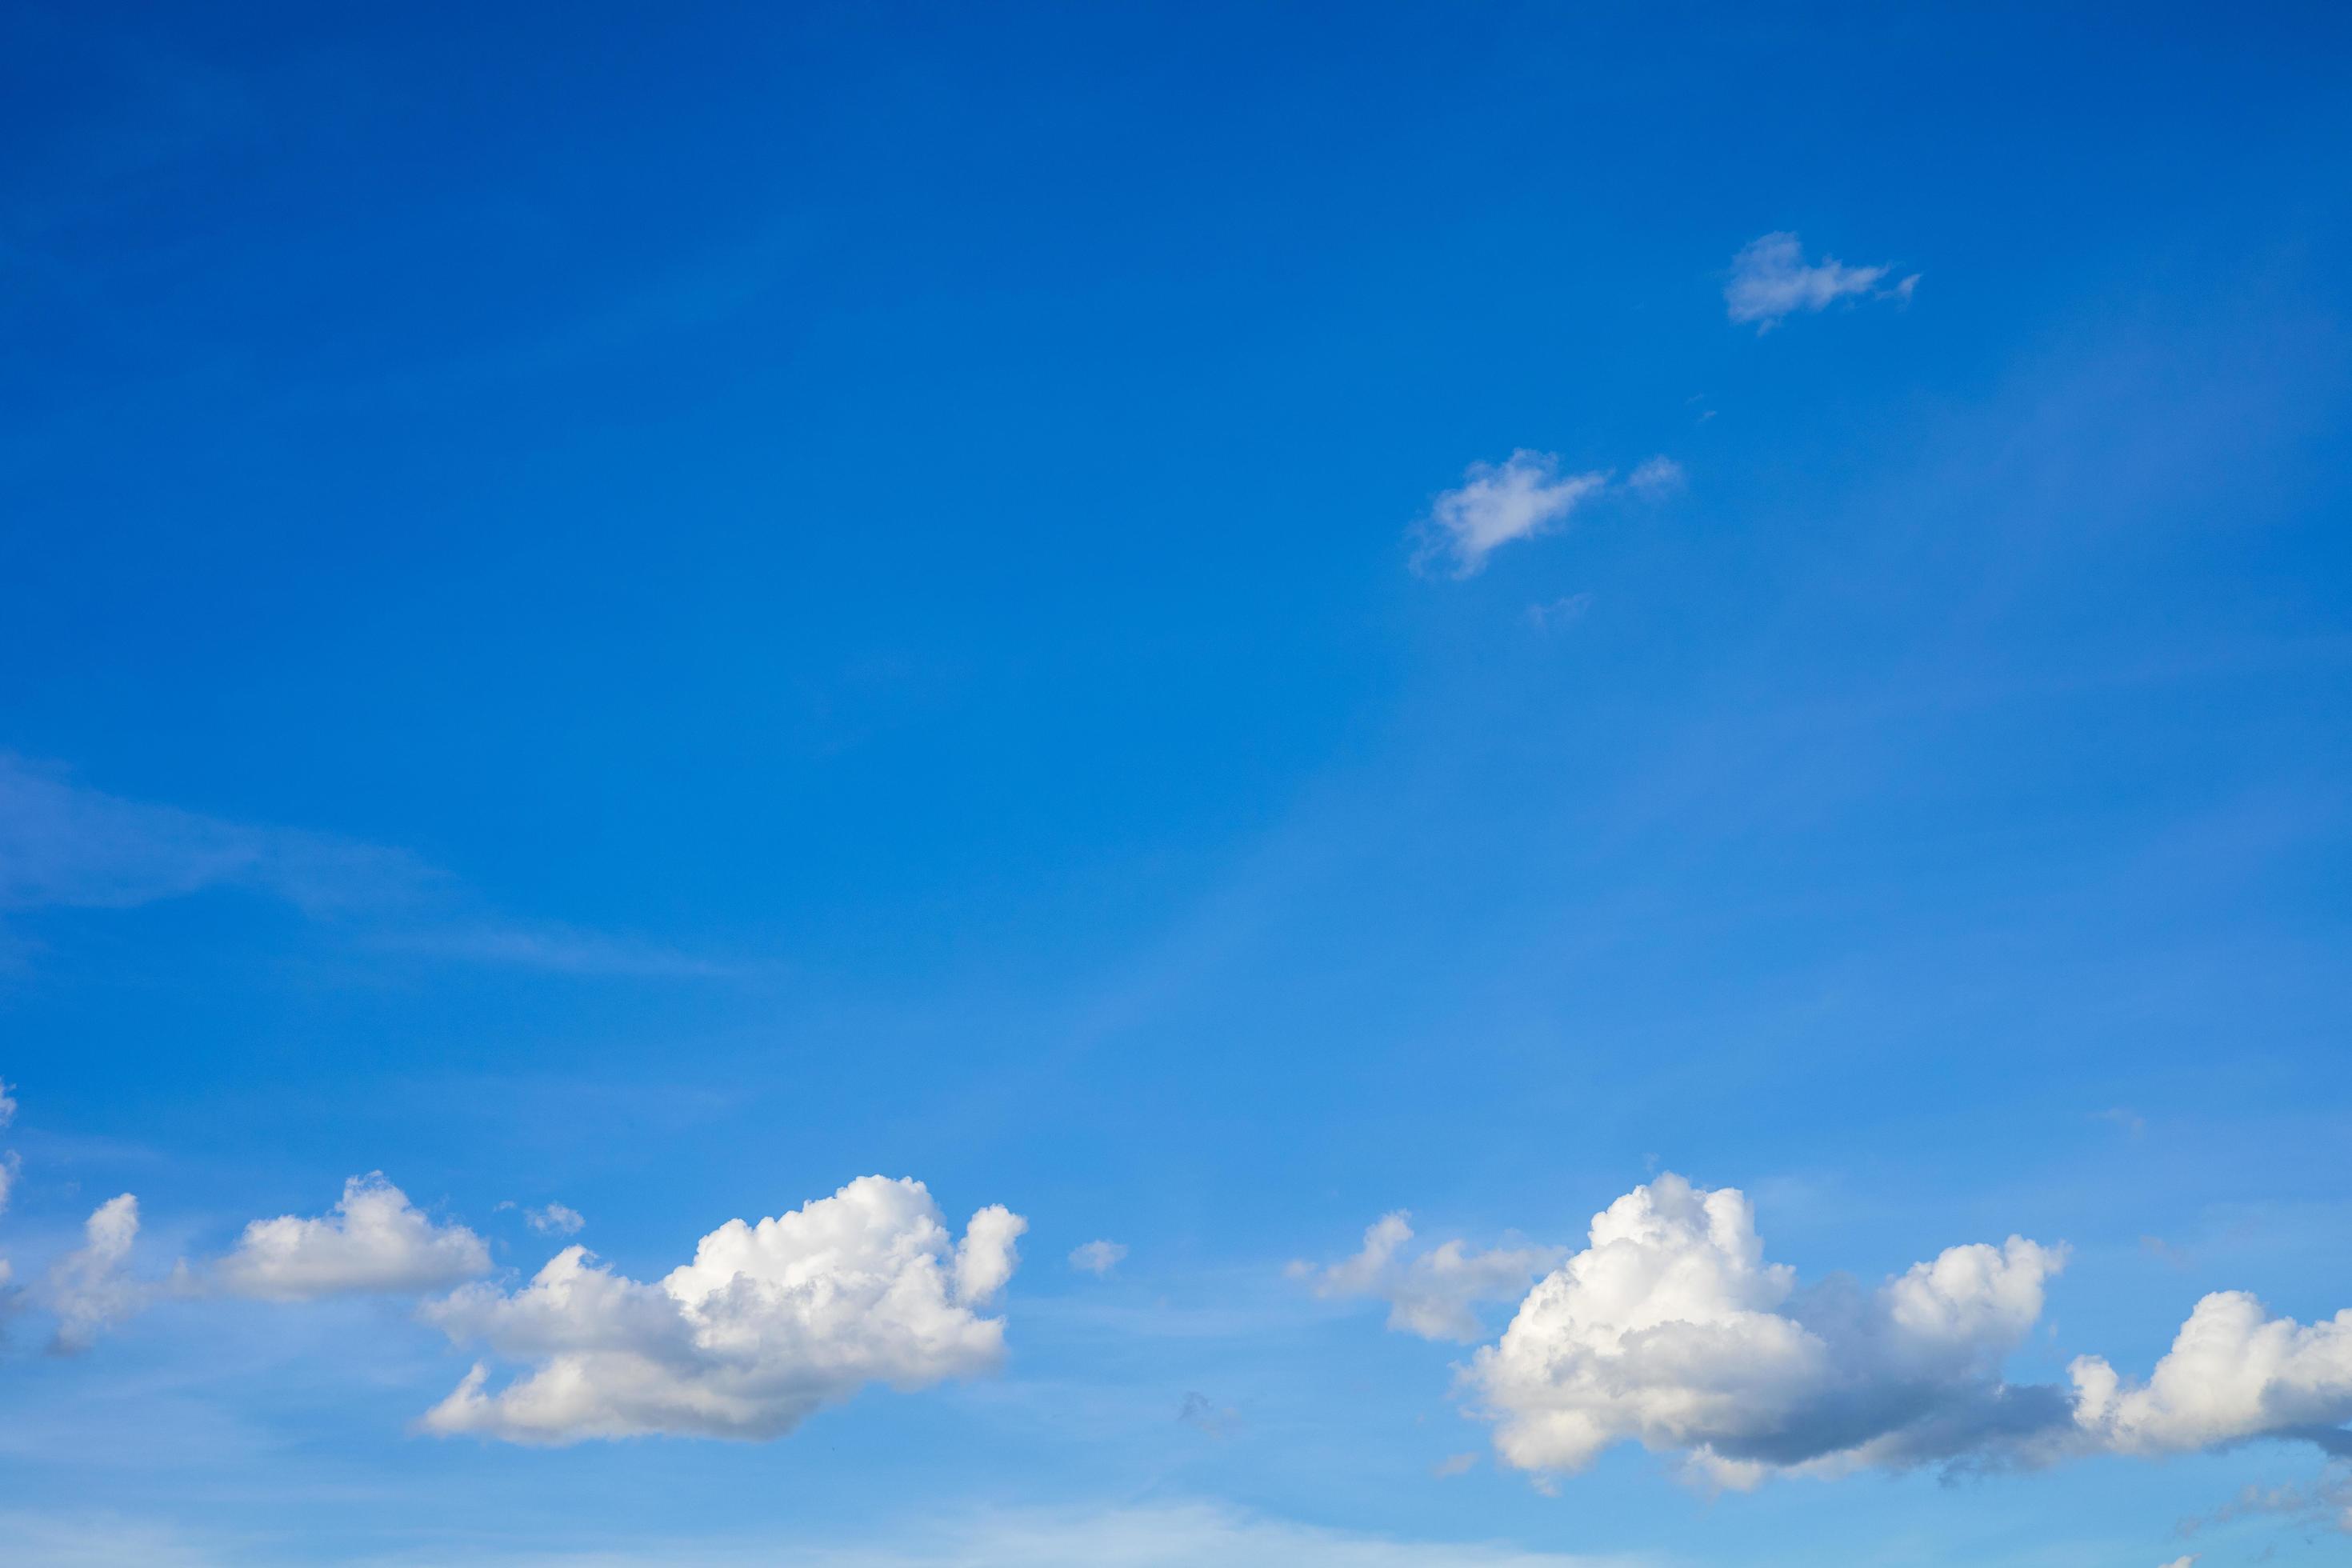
x,y
555,1219
1525,495
1098,1258
1559,612
1204,1416
1772,280
64,845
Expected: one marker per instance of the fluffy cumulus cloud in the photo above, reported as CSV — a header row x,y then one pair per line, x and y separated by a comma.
x,y
1433,1292
769,1322
1670,1329
92,1288
374,1241
1772,280
2233,1372
1497,503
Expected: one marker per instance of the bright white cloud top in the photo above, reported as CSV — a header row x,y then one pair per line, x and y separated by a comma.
x,y
375,1242
1772,280
769,1322
1670,1329
2233,1372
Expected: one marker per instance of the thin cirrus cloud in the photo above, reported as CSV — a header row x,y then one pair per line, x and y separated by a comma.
x,y
1670,1329
92,1288
66,845
768,1323
375,1242
1525,495
1772,280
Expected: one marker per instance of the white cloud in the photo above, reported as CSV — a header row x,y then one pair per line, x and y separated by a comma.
x,y
555,1219
376,1241
1525,495
1431,1294
1098,1258
7,1104
1670,1329
767,1324
1772,280
8,1169
2326,1503
2188,1561
1564,612
2233,1372
90,1287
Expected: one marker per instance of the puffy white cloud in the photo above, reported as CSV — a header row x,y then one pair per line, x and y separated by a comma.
x,y
1670,1329
2233,1372
555,1219
1430,1294
1098,1258
374,1241
91,1288
1772,280
1496,503
769,1322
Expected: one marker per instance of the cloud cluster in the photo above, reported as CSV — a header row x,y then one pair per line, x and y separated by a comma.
x,y
1670,1329
769,1322
1772,280
555,1219
1432,1293
375,1242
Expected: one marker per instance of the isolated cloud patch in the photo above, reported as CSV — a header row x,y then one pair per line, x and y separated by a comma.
x,y
1098,1258
2233,1372
1498,503
1433,1292
1772,280
769,1322
376,1241
92,1288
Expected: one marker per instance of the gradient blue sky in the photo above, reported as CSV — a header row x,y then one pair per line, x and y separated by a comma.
x,y
661,608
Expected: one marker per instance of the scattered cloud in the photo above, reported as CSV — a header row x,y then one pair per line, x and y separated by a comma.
x,y
1204,1416
1430,1293
2130,1121
1772,280
1670,1329
2188,1561
2233,1372
7,1104
769,1322
66,845
1559,612
1455,1465
1496,503
375,1242
555,1219
1098,1258
2324,1503
92,1288
1657,478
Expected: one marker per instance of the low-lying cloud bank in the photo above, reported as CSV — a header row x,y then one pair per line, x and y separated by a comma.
x,y
769,1322
1670,1329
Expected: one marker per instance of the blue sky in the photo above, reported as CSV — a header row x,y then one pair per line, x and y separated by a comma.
x,y
1705,649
